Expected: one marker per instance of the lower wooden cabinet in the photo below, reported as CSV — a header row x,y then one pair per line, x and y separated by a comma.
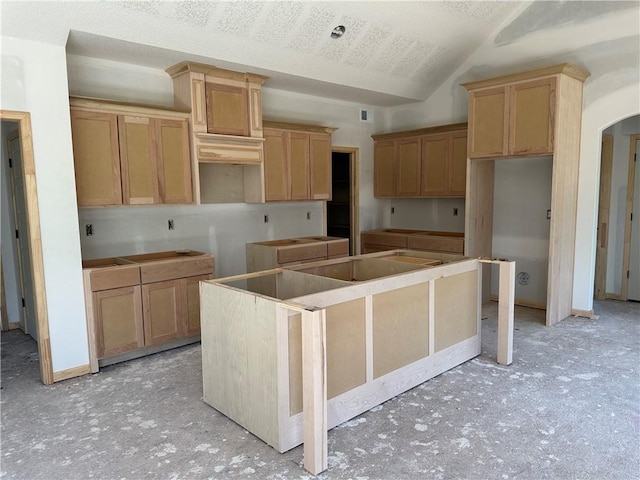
x,y
118,320
143,301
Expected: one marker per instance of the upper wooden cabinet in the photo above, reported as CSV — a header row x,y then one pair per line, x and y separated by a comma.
x,y
297,164
516,115
429,162
129,154
227,135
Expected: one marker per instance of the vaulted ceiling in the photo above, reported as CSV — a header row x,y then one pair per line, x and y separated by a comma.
x,y
392,52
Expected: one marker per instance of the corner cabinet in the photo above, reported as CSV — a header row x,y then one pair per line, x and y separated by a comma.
x,y
297,162
226,131
126,154
428,162
532,113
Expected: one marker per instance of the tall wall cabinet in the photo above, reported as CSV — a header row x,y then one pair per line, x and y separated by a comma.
x,y
532,113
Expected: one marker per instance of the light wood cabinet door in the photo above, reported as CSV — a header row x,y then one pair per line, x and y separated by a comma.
x,y
138,160
173,160
409,167
320,166
488,122
276,154
531,117
191,324
299,153
458,165
435,165
384,169
96,158
162,307
227,109
118,320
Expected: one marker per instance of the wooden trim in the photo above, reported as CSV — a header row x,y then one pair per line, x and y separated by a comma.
x,y
3,300
184,67
624,290
590,314
314,390
126,108
606,163
35,242
71,373
563,68
453,127
505,312
91,330
302,127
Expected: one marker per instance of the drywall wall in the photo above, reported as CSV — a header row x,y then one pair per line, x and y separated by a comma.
x,y
436,214
34,80
7,239
221,229
621,133
605,42
522,198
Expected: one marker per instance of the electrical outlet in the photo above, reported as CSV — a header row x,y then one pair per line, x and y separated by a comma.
x,y
393,210
171,225
548,214
266,219
455,212
88,228
308,215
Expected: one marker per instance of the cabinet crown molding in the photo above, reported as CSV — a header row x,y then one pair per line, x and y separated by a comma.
x,y
297,126
453,127
185,67
560,69
130,108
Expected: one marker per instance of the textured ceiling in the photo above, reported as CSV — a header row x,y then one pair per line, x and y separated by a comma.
x,y
393,52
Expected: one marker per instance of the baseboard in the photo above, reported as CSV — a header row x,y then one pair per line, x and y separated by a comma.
x,y
584,313
71,373
522,303
612,296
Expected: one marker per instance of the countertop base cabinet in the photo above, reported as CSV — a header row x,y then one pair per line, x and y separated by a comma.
x,y
421,240
143,304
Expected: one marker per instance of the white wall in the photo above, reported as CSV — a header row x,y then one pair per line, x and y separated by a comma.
x,y
435,214
7,238
34,80
221,229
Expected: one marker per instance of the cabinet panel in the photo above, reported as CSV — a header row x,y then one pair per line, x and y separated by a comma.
x,y
137,160
275,164
488,119
458,165
532,106
299,166
384,173
435,163
192,310
320,166
227,109
118,316
174,164
162,309
408,167
96,158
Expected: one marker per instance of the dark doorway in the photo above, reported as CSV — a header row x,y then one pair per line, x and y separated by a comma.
x,y
339,207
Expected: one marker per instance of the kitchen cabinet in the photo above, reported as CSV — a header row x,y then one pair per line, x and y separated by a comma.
x,y
421,240
536,112
129,154
292,251
513,119
297,164
428,162
226,131
139,304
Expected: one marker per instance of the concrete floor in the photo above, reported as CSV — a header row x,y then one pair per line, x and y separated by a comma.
x,y
567,408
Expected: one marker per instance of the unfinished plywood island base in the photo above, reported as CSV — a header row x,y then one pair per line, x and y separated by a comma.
x,y
362,329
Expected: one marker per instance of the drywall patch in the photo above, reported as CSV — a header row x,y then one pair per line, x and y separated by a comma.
x,y
544,15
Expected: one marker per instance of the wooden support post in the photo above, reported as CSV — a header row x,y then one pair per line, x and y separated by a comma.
x,y
506,295
314,390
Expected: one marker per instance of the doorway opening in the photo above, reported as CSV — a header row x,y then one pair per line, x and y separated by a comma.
x,y
342,210
20,205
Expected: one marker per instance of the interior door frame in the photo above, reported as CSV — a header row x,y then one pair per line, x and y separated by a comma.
x,y
604,205
23,119
354,197
624,293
